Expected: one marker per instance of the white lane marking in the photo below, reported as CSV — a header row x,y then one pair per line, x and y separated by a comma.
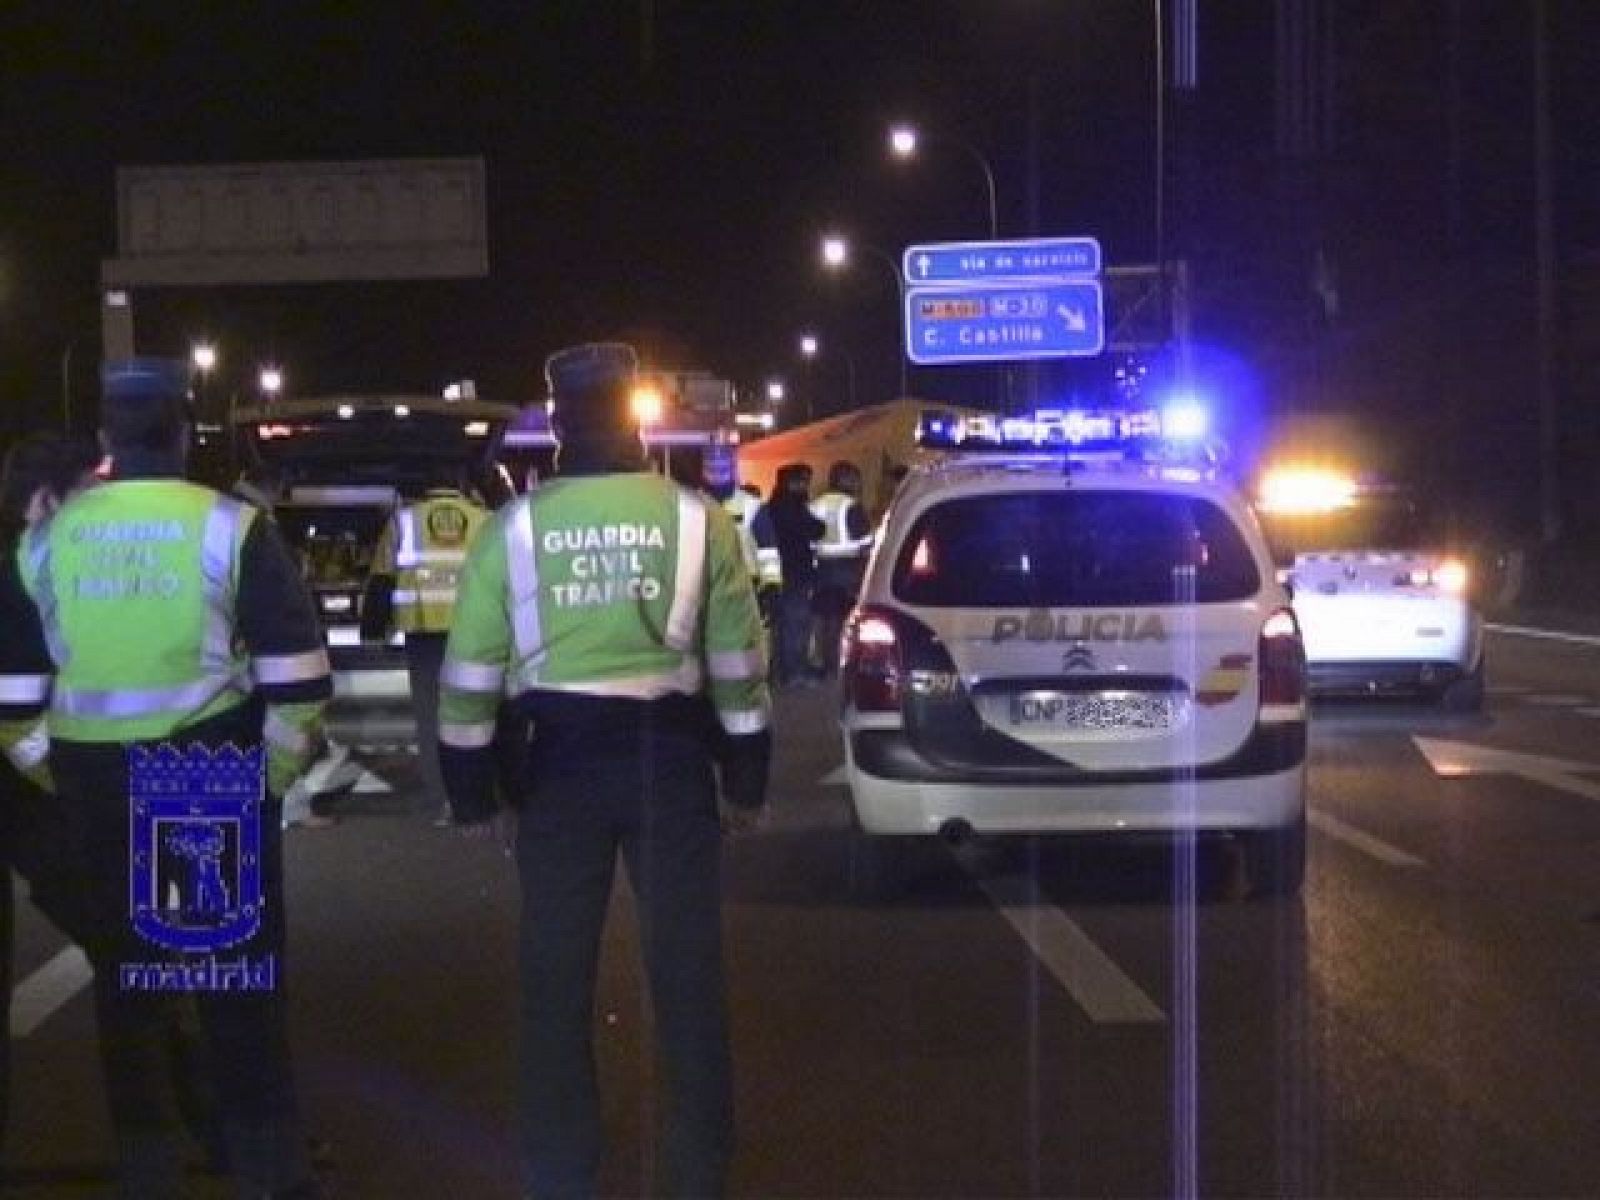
x,y
1556,700
369,782
1361,840
834,778
1552,635
1451,760
1589,712
47,989
1096,983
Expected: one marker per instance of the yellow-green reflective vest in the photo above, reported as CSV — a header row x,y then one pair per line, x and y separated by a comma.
x,y
429,542
616,585
833,510
742,507
138,611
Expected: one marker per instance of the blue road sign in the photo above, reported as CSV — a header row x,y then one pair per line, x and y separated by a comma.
x,y
1006,322
977,262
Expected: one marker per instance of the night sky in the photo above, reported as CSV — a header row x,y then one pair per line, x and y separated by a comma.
x,y
662,169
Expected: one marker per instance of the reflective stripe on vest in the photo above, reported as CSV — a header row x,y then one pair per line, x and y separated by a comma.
x,y
39,570
688,582
683,615
24,689
413,550
742,507
522,574
832,508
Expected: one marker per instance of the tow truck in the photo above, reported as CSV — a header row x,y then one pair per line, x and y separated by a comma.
x,y
347,462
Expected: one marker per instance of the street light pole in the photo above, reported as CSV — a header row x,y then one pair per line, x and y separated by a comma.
x,y
903,144
836,255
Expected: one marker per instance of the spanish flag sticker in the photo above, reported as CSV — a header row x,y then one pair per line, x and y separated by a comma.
x,y
1224,681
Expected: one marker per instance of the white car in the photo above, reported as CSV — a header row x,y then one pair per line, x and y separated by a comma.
x,y
1066,642
1384,606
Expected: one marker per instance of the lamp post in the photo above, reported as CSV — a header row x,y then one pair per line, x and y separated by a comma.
x,y
204,357
810,349
836,252
903,143
270,381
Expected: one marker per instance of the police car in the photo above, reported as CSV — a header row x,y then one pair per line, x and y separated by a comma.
x,y
1385,605
1071,625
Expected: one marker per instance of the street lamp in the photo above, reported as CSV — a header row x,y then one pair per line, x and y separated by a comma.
x,y
775,391
204,357
271,381
836,251
810,349
903,142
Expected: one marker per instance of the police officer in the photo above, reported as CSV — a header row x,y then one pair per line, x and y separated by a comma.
x,y
758,545
795,530
152,611
614,607
841,557
412,588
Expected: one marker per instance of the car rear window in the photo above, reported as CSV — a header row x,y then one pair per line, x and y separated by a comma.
x,y
1380,522
1069,549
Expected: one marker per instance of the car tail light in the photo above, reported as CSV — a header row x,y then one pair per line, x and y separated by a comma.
x,y
1283,660
1451,575
870,659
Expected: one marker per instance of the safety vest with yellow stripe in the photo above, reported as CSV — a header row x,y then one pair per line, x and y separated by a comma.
x,y
742,507
833,510
621,585
135,583
424,547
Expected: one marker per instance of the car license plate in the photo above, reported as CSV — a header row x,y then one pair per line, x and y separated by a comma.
x,y
1046,710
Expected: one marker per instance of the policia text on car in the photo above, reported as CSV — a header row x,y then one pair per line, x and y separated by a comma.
x,y
214,642
615,608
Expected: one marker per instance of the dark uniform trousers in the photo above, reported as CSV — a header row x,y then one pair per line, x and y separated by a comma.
x,y
424,661
40,841
609,774
244,1034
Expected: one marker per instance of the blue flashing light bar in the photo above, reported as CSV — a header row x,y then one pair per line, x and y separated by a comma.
x,y
1175,434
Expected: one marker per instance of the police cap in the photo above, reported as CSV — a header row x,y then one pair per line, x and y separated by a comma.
x,y
590,368
145,402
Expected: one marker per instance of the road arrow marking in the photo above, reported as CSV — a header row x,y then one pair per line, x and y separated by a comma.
x,y
922,264
1454,760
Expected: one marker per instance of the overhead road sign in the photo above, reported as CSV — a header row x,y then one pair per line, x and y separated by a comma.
x,y
299,222
1004,322
976,262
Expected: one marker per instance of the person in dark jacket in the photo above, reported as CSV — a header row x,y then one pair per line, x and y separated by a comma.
x,y
796,529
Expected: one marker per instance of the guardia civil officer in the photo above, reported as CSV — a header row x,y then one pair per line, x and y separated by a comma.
x,y
841,557
412,588
152,611
615,608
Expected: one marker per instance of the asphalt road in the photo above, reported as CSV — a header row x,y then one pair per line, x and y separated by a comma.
x,y
1083,1021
